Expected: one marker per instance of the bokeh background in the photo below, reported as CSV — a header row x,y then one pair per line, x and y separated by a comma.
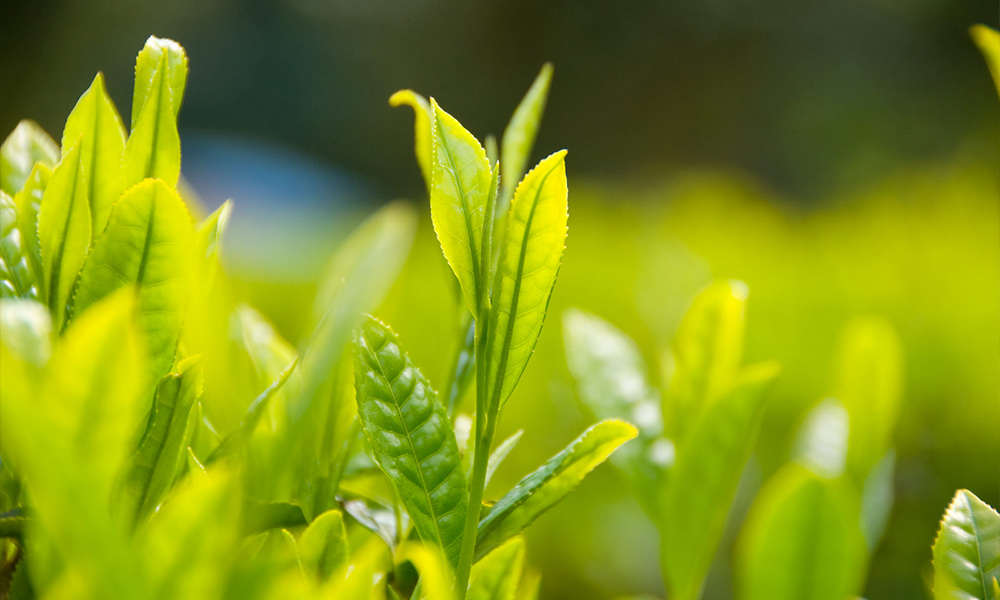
x,y
840,157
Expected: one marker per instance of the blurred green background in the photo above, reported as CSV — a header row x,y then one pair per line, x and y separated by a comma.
x,y
839,157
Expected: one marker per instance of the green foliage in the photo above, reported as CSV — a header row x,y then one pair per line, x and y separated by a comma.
x,y
988,41
16,278
26,146
967,550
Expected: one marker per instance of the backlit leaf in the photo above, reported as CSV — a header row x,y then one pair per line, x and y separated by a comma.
x,y
148,63
530,256
209,232
411,437
322,549
153,148
422,128
704,480
435,575
544,488
28,201
26,145
967,550
63,232
147,244
496,576
500,453
16,278
95,122
519,136
461,181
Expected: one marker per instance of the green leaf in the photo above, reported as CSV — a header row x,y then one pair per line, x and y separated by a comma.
x,y
16,278
27,145
94,121
28,201
967,550
435,575
148,244
153,148
158,55
63,232
411,438
988,41
530,256
322,549
707,350
519,136
500,453
158,460
496,576
544,488
870,385
422,128
877,496
208,236
704,480
460,191
801,541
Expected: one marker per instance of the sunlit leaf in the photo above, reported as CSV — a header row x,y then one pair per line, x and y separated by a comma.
x,y
967,550
422,128
153,148
160,455
544,488
704,480
496,576
16,278
530,256
988,41
94,121
322,549
411,437
158,55
63,232
460,191
436,579
519,136
801,541
26,145
148,244
28,201
209,232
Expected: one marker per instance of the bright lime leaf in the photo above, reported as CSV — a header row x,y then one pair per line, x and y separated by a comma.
x,y
422,128
63,232
362,577
967,550
870,382
95,122
16,278
801,541
28,201
435,575
704,479
154,146
322,549
544,488
460,191
496,576
147,243
156,56
988,41
158,460
519,136
26,145
411,437
530,256
209,233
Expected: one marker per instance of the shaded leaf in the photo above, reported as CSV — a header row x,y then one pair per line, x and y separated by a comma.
x,y
27,145
496,576
544,488
530,255
422,128
967,550
322,549
519,136
500,453
94,121
877,497
16,278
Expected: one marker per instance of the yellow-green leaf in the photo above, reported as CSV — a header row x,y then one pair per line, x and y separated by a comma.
x,y
460,191
530,255
154,146
519,136
988,40
28,201
967,550
95,122
148,243
436,579
322,549
496,576
63,232
27,145
148,63
209,232
16,278
422,128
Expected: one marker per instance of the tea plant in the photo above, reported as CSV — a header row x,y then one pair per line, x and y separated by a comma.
x,y
967,550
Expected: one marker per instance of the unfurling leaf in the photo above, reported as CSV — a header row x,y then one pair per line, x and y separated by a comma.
x,y
530,256
496,576
544,488
95,122
411,437
26,146
322,549
209,233
159,55
967,550
28,201
422,128
147,243
63,232
16,278
461,186
154,146
519,136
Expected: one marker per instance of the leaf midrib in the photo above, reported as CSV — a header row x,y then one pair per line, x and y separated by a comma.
x,y
465,208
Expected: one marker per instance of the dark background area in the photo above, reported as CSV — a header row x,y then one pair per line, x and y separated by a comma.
x,y
810,96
